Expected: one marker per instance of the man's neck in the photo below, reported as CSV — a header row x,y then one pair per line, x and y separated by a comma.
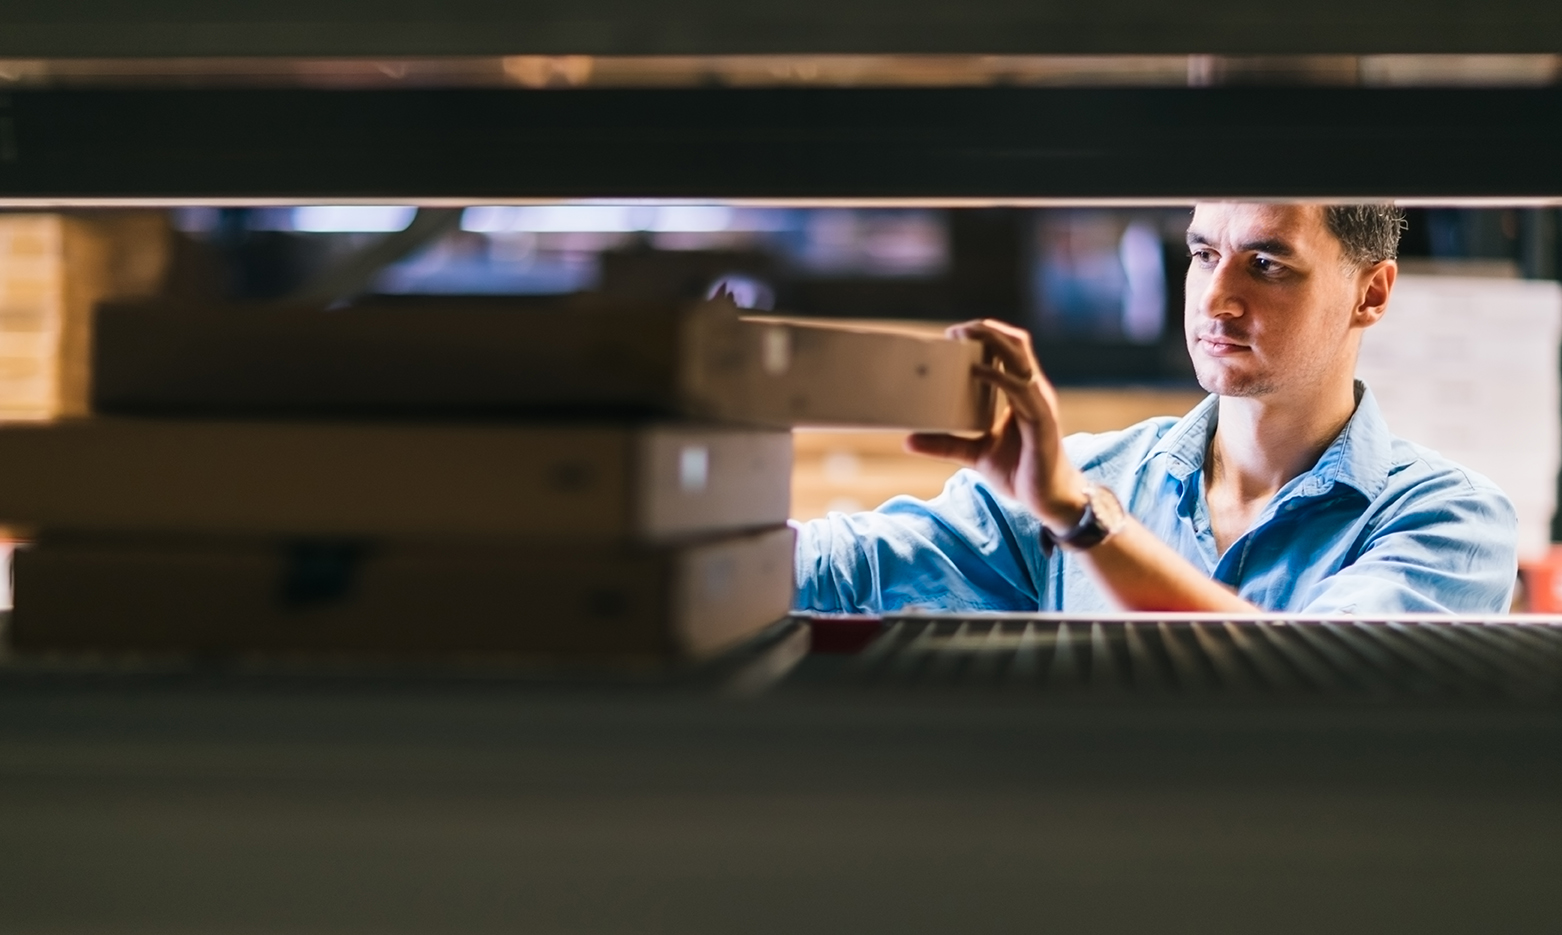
x,y
1261,443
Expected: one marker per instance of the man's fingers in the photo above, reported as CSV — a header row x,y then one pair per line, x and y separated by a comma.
x,y
1009,349
1021,393
990,325
1008,344
948,447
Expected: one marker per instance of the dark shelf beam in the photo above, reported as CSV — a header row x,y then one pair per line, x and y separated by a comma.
x,y
994,143
105,28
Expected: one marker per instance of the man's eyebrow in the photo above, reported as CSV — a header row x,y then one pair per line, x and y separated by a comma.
x,y
1276,247
1273,246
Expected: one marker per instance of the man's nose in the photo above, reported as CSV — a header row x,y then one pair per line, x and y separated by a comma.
x,y
1223,295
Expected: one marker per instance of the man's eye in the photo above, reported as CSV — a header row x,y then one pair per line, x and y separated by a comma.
x,y
1266,265
1204,257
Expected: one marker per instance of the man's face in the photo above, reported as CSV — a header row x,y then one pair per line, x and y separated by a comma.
x,y
1269,299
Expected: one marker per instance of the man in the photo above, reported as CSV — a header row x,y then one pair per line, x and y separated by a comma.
x,y
1283,491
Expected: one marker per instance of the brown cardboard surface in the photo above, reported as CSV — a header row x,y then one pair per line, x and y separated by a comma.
x,y
467,354
54,268
422,355
553,482
397,598
807,372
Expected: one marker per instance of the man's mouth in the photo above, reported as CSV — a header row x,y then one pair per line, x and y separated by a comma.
x,y
1220,346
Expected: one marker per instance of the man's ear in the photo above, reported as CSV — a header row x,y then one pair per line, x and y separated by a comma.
x,y
1375,284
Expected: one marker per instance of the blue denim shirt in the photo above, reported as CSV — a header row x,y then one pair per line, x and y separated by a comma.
x,y
1378,526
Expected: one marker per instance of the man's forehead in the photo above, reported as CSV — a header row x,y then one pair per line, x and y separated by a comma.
x,y
1241,222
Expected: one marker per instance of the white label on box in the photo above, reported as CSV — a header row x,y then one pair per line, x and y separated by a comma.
x,y
776,354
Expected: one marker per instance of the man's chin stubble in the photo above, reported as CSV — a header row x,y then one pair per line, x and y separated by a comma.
x,y
1233,386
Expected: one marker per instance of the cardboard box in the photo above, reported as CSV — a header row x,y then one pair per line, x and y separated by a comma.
x,y
221,596
473,355
559,483
54,269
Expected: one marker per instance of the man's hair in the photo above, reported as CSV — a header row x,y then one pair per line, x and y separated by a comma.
x,y
1368,234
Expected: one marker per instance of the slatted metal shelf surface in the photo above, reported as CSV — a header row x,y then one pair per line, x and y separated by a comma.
x,y
1497,658
217,797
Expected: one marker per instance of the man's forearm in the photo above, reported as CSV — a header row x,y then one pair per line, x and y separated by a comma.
x,y
1143,573
1139,570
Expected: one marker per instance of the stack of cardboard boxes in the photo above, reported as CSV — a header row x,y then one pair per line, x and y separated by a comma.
x,y
442,477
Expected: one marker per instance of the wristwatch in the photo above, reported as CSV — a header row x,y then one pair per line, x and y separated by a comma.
x,y
1104,516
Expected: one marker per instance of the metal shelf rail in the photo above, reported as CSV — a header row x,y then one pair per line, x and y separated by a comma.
x,y
1149,658
1006,145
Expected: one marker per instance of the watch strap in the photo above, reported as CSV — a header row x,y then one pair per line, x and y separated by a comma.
x,y
1088,532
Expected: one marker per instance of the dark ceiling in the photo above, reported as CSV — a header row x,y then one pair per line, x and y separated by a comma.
x,y
112,28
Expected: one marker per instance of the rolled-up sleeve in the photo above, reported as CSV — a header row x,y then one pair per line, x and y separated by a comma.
x,y
959,551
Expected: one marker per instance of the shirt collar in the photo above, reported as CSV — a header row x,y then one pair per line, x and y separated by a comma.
x,y
1359,457
1186,442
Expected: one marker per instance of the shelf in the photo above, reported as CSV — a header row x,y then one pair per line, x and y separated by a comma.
x,y
52,28
929,145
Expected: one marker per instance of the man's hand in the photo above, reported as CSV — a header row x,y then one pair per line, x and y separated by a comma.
x,y
1022,455
1022,458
